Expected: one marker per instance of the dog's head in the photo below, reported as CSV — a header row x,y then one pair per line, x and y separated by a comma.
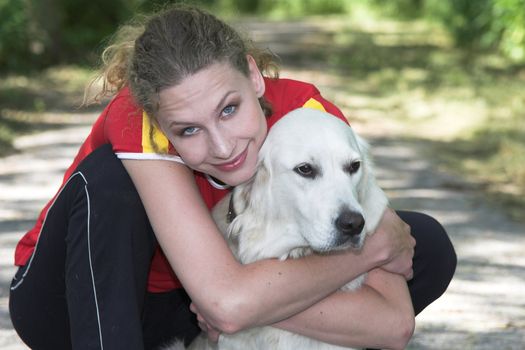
x,y
314,186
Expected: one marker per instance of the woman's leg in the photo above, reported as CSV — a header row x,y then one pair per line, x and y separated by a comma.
x,y
434,259
85,284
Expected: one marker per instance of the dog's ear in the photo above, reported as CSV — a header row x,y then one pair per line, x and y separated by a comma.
x,y
255,191
371,197
367,177
253,196
363,145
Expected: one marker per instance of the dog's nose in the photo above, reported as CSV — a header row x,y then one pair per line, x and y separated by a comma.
x,y
350,223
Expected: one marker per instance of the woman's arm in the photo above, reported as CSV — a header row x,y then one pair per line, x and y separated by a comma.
x,y
232,296
378,315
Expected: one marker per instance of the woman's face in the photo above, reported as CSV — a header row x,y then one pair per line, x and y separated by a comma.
x,y
215,122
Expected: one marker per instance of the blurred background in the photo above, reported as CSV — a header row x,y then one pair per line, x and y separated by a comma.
x,y
448,71
437,86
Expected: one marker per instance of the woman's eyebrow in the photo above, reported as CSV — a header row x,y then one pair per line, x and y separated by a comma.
x,y
221,102
217,110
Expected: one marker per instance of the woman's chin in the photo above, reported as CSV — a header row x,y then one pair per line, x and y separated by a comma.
x,y
235,179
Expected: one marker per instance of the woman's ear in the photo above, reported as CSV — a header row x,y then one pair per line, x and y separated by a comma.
x,y
256,76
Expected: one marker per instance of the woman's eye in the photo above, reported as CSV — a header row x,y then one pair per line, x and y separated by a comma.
x,y
189,131
228,110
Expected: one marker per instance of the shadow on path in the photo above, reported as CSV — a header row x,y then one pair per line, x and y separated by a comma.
x,y
484,306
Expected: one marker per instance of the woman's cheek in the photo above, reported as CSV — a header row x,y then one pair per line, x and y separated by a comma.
x,y
191,153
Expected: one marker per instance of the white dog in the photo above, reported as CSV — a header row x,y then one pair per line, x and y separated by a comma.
x,y
314,191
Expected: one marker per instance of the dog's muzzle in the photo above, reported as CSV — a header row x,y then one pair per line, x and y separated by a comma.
x,y
349,224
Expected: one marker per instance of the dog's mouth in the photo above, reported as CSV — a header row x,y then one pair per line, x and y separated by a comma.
x,y
352,242
341,242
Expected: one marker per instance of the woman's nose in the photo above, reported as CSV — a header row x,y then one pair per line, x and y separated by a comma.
x,y
221,144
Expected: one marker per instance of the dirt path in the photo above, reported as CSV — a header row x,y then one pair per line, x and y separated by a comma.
x,y
484,306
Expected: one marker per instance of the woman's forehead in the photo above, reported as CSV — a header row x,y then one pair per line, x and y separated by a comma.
x,y
207,80
205,89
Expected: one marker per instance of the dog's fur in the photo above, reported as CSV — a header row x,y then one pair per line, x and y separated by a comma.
x,y
314,191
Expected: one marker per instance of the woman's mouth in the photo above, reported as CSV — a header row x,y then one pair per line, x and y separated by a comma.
x,y
235,163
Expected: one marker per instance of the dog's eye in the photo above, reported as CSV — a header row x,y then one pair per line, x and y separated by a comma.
x,y
353,167
306,170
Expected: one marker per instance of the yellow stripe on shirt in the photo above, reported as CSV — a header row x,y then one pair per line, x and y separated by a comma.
x,y
312,103
153,140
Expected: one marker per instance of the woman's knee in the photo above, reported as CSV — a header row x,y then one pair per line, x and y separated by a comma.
x,y
431,237
434,260
435,243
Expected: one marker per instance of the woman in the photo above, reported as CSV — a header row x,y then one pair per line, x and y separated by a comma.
x,y
191,112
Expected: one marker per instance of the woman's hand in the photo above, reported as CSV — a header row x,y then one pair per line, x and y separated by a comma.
x,y
393,245
212,333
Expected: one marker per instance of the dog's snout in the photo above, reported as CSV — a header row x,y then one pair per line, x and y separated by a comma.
x,y
350,223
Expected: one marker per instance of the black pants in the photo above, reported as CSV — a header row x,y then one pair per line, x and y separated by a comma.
x,y
85,285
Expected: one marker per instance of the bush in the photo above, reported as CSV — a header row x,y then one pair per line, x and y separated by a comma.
x,y
40,33
473,24
509,23
469,22
282,8
14,39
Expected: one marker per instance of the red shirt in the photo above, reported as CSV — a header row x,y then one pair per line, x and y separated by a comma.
x,y
124,125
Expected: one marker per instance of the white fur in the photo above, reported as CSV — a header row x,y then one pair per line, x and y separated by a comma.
x,y
281,214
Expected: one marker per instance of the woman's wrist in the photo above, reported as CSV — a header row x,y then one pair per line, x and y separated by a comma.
x,y
375,253
391,247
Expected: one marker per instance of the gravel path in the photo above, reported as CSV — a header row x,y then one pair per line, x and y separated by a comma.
x,y
483,308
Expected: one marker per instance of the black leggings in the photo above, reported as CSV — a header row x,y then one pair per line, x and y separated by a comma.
x,y
85,285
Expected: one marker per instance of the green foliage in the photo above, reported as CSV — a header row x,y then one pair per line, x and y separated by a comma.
x,y
473,24
509,21
282,8
40,33
406,9
469,21
318,7
14,39
486,24
86,23
242,6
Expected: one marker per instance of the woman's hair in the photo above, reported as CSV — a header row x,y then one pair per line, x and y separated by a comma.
x,y
172,45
